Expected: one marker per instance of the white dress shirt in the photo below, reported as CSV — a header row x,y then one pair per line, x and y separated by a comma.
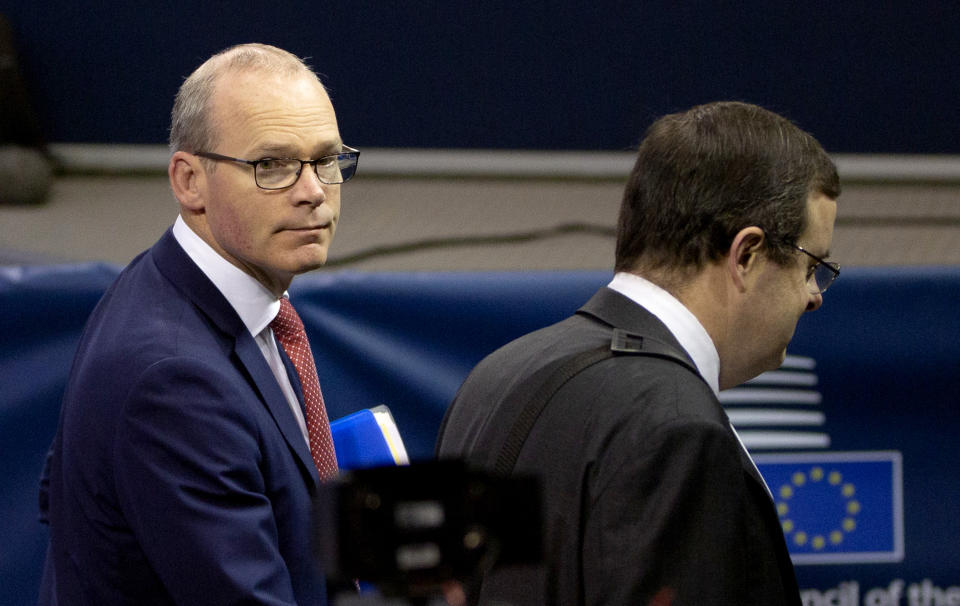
x,y
255,305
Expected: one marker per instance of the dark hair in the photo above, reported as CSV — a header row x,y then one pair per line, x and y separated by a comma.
x,y
703,175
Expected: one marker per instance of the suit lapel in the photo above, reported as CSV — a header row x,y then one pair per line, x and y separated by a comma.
x,y
252,358
749,466
177,267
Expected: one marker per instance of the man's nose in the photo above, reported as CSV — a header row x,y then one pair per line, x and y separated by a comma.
x,y
309,189
815,301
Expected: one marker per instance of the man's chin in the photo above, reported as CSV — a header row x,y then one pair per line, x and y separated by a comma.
x,y
308,258
773,362
308,267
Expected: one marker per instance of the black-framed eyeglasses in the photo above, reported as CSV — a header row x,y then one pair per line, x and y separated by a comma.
x,y
820,275
280,173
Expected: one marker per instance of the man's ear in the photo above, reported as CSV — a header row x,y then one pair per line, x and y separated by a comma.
x,y
743,256
187,180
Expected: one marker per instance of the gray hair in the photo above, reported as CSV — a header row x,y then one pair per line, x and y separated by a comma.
x,y
191,128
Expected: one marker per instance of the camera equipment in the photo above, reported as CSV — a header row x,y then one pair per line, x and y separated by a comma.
x,y
409,529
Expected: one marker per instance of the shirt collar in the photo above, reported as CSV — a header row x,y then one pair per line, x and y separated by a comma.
x,y
255,305
679,320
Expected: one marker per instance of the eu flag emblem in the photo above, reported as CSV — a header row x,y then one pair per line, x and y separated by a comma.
x,y
838,507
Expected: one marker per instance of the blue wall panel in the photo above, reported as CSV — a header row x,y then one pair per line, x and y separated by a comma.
x,y
884,350
521,75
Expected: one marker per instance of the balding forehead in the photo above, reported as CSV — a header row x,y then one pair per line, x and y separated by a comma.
x,y
266,83
254,109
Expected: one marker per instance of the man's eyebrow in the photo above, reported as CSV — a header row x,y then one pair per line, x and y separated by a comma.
x,y
331,148
286,151
274,151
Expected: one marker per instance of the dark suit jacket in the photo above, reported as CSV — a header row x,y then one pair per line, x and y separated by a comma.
x,y
178,473
647,491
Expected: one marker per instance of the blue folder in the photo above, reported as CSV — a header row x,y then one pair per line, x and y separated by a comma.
x,y
368,438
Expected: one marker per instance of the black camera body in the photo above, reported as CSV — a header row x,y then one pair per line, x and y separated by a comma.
x,y
409,529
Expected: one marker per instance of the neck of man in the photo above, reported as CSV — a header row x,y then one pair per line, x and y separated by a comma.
x,y
276,284
710,296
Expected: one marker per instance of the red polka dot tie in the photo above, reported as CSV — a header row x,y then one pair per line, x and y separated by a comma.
x,y
288,329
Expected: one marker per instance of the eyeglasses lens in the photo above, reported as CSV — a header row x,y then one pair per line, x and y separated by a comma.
x,y
331,170
824,276
346,166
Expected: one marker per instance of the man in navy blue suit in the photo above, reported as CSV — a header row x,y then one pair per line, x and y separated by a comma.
x,y
181,472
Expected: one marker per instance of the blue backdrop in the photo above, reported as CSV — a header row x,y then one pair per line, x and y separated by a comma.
x,y
862,77
883,354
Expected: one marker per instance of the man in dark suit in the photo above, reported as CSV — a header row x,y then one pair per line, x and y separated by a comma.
x,y
192,439
650,496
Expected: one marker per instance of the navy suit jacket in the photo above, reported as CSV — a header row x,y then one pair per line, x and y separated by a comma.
x,y
178,473
648,496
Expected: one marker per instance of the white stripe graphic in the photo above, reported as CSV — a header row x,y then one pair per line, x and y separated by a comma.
x,y
768,416
780,377
798,363
749,395
783,440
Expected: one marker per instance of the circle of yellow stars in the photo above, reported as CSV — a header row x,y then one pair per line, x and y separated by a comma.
x,y
844,526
